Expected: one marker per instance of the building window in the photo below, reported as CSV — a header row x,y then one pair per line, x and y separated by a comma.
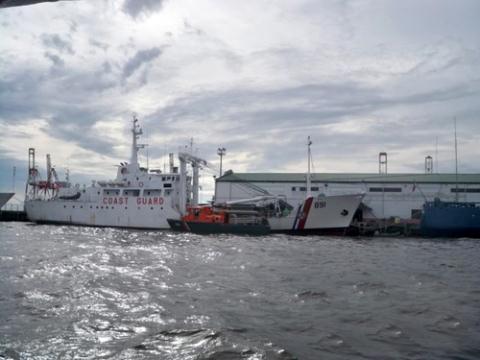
x,y
385,189
465,190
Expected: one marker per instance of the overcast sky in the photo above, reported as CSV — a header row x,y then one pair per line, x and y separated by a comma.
x,y
256,77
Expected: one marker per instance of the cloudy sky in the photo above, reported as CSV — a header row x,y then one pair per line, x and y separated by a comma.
x,y
256,77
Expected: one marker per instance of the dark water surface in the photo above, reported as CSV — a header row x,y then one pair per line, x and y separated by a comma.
x,y
87,293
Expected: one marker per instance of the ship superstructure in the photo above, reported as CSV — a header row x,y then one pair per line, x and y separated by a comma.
x,y
137,197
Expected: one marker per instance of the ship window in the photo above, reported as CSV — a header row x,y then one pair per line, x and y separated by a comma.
x,y
465,190
91,207
73,206
137,178
385,189
81,207
131,192
98,193
153,192
126,208
314,188
167,185
303,188
151,208
65,206
294,188
111,192
163,178
167,192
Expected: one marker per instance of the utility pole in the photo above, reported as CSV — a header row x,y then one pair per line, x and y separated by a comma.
x,y
221,152
13,178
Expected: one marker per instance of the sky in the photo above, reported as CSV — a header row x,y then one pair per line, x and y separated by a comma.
x,y
256,77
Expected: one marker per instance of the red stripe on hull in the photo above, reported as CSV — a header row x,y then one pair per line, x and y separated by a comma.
x,y
306,210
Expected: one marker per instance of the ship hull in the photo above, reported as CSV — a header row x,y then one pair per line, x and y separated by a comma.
x,y
94,214
319,215
450,219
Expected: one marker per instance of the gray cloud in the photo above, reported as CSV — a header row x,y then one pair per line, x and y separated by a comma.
x,y
253,121
56,42
136,7
140,58
56,60
99,44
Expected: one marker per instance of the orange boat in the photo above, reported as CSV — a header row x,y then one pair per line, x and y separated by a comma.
x,y
207,219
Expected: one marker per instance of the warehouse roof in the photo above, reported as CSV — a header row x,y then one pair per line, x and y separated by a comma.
x,y
351,178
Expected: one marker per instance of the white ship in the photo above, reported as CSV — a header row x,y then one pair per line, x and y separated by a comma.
x,y
137,198
315,214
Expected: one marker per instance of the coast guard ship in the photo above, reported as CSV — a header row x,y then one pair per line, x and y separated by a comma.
x,y
137,198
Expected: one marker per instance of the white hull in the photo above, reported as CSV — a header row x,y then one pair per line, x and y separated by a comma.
x,y
96,214
322,214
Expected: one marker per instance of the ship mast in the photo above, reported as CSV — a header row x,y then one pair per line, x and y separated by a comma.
x,y
136,132
309,192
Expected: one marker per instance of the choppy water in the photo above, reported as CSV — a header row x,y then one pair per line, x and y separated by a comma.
x,y
72,292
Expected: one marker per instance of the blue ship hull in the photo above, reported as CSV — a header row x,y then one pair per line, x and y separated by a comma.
x,y
450,219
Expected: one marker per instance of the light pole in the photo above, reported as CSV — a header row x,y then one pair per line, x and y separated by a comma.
x,y
221,152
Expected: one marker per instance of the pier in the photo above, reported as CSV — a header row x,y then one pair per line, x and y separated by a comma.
x,y
13,212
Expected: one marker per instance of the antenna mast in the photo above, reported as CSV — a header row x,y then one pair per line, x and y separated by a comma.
x,y
309,192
